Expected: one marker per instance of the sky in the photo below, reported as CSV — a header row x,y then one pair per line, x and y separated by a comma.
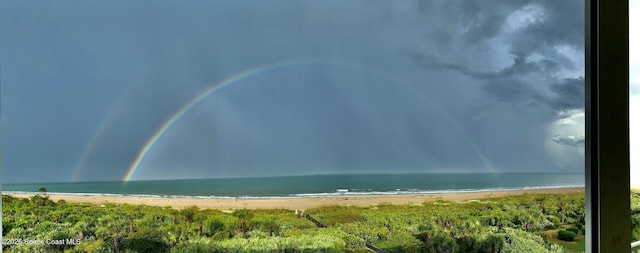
x,y
207,89
634,91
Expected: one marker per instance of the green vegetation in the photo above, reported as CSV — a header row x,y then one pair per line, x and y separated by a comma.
x,y
635,215
527,223
571,247
566,235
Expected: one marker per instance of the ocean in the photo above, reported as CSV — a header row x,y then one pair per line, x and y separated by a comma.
x,y
312,185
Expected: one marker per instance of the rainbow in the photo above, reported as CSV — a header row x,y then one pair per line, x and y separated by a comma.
x,y
115,109
273,66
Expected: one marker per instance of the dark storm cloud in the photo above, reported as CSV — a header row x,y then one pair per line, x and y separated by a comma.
x,y
508,85
536,48
570,93
515,85
65,67
525,54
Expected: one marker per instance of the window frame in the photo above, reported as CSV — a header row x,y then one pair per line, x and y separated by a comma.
x,y
607,168
608,220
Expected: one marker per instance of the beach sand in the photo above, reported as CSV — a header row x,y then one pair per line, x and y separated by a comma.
x,y
302,202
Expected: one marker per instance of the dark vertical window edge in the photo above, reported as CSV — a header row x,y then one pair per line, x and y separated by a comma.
x,y
591,131
607,168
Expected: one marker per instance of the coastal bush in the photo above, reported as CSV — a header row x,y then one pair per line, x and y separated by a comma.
x,y
7,200
88,246
402,241
492,244
351,241
188,214
513,223
146,241
39,200
570,220
635,215
213,226
469,244
566,235
554,221
368,232
20,233
517,241
574,229
318,243
244,214
59,236
7,226
27,247
635,224
440,243
265,223
330,216
196,246
112,244
222,235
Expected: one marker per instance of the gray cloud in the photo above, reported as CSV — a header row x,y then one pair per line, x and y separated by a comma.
x,y
570,92
482,90
568,140
535,51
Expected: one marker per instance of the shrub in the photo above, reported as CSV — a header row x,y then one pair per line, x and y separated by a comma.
x,y
189,213
213,226
222,235
574,229
146,241
244,214
59,236
468,244
440,243
570,220
555,220
550,225
196,247
492,244
566,235
516,240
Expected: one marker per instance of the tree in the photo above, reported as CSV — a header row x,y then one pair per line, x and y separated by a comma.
x,y
243,215
200,218
43,190
189,213
112,228
562,210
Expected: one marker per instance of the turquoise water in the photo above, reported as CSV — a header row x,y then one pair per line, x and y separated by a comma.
x,y
316,185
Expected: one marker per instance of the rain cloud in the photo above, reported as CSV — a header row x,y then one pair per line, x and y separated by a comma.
x,y
409,86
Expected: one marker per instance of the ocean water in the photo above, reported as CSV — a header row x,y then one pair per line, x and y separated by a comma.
x,y
315,185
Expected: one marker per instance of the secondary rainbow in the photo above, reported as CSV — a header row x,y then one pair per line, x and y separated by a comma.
x,y
104,124
272,66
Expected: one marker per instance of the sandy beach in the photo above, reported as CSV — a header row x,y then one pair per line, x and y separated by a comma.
x,y
301,203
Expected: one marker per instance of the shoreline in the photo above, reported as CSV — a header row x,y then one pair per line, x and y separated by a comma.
x,y
301,203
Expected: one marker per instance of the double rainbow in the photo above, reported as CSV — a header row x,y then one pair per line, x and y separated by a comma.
x,y
273,66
